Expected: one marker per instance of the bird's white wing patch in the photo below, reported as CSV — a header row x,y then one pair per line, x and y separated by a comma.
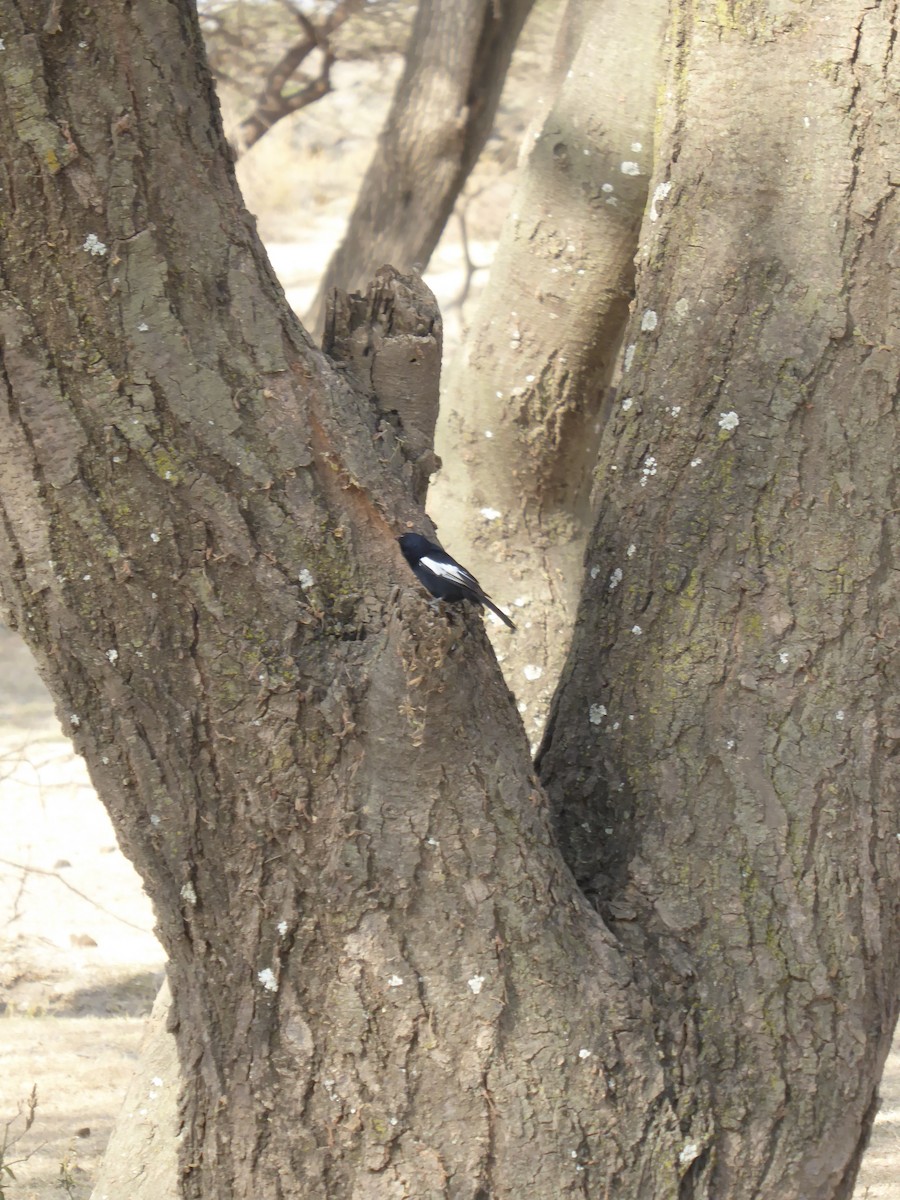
x,y
451,571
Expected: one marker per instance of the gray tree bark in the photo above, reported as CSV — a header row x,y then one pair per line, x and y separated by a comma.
x,y
442,113
722,751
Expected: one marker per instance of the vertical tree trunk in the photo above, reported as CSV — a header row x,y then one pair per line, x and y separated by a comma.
x,y
722,756
525,402
442,113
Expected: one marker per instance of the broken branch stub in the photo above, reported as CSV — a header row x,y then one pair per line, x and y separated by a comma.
x,y
388,342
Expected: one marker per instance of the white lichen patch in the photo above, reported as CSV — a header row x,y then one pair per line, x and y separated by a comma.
x,y
729,421
636,630
143,328
627,404
629,356
154,536
532,672
282,928
395,981
649,320
595,571
596,713
112,655
615,579
631,551
475,984
188,895
306,579
648,469
659,194
93,246
630,168
490,514
689,1151
74,720
267,978
695,462
583,1054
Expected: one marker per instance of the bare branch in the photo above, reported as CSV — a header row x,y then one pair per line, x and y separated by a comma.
x,y
272,104
56,875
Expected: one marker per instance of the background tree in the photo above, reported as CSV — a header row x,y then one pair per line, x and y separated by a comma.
x,y
526,399
279,55
441,115
385,978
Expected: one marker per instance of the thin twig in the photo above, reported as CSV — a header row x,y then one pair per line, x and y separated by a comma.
x,y
56,875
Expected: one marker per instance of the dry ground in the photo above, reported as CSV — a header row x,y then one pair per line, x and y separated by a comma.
x,y
79,965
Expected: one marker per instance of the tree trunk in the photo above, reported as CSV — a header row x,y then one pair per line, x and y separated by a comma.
x,y
722,753
527,398
440,118
385,980
141,1159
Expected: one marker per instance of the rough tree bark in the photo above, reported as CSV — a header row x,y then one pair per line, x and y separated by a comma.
x,y
385,980
722,755
440,118
525,400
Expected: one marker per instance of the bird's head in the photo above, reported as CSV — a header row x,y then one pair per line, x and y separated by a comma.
x,y
414,546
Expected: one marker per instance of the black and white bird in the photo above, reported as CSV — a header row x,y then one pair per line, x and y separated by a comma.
x,y
443,576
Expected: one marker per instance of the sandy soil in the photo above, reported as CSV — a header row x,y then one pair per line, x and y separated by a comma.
x,y
79,964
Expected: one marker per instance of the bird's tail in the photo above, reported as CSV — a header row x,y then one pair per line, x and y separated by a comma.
x,y
494,609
